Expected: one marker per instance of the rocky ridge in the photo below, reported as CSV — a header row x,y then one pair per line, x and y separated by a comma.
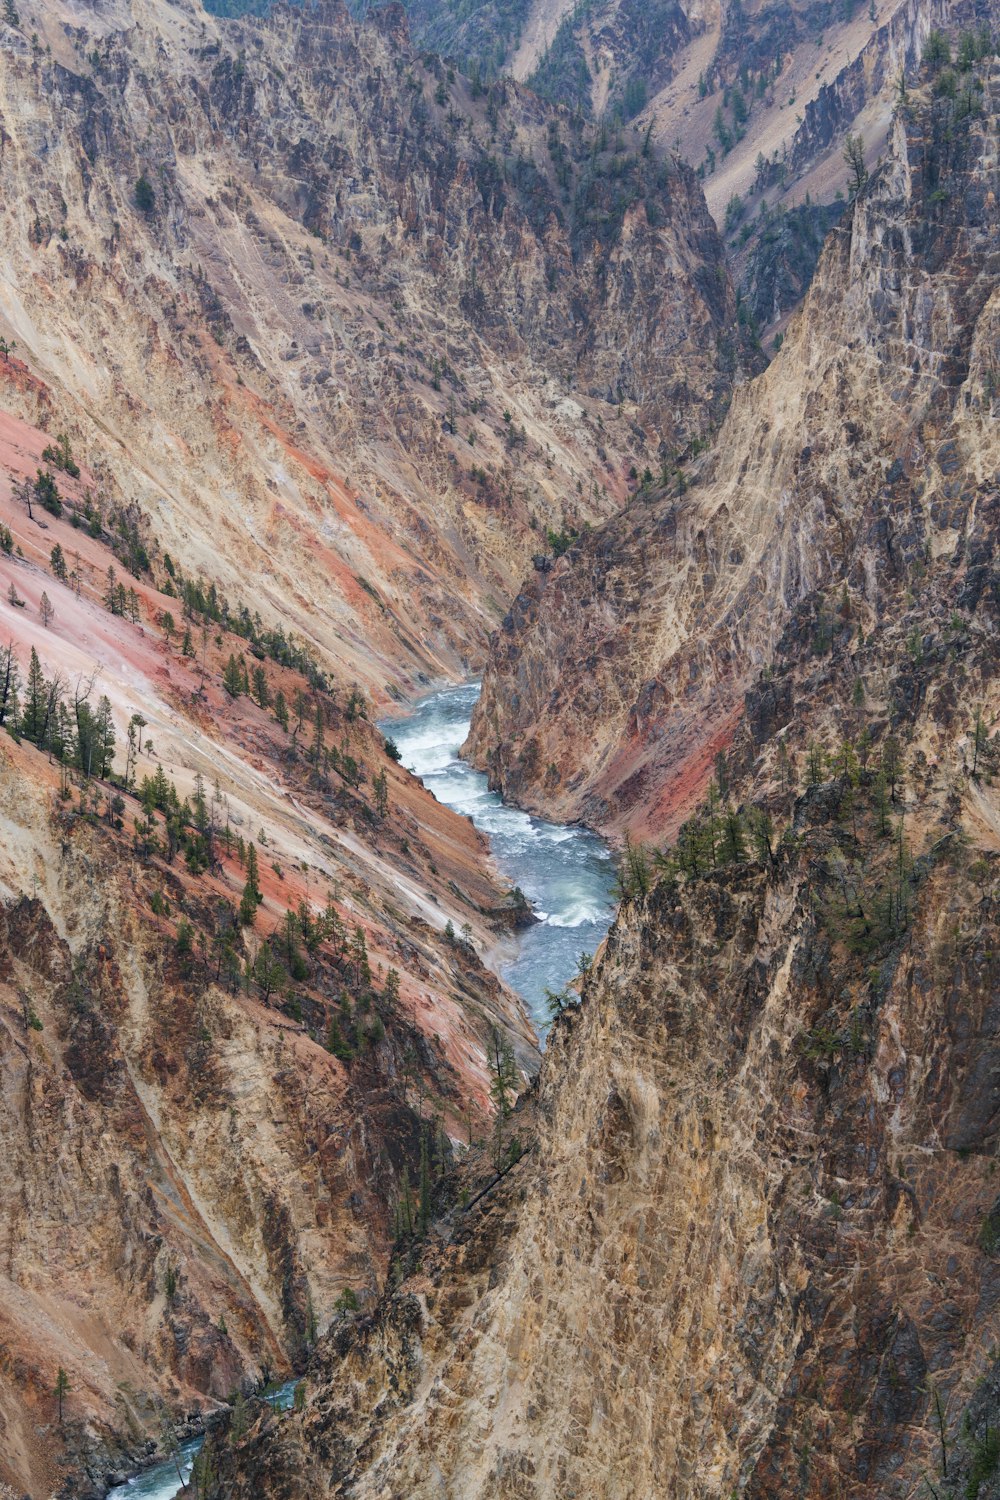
x,y
852,457
367,331
752,1245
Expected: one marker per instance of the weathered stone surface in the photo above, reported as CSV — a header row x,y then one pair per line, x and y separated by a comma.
x,y
616,676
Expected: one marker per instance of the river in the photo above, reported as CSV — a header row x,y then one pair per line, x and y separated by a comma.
x,y
567,873
161,1483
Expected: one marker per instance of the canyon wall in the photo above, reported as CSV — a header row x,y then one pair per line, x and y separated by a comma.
x,y
365,332
750,1244
747,1239
207,1111
307,344
617,673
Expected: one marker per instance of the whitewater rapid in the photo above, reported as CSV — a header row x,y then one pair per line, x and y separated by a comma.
x,y
567,873
161,1483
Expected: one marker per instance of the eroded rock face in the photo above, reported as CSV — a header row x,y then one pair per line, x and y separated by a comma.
x,y
752,1245
368,330
614,678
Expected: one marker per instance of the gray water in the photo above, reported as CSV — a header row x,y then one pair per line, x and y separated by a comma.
x,y
160,1482
567,873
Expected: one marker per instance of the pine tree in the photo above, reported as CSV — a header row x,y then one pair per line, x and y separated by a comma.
x,y
252,895
814,764
380,790
301,706
105,739
390,990
854,160
111,598
359,957
60,1390
232,677
33,715
503,1087
253,872
733,846
281,709
57,561
267,971
892,764
9,682
260,690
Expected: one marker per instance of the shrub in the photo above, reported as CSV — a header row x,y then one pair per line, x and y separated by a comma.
x,y
145,198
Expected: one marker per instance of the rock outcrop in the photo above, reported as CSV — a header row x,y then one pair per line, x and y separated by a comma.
x,y
617,674
340,321
748,1239
752,1246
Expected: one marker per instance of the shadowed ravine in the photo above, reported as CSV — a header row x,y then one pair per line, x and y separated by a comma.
x,y
567,873
161,1483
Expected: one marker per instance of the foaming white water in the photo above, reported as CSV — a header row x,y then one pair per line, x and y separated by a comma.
x,y
566,873
161,1482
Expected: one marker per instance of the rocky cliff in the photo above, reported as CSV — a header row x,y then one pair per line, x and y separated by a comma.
x,y
746,1240
208,1101
307,342
616,675
339,320
752,1245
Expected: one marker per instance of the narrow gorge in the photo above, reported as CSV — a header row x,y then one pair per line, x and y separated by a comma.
x,y
499,750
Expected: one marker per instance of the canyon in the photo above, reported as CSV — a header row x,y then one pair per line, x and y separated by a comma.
x,y
839,462
745,1241
308,346
344,357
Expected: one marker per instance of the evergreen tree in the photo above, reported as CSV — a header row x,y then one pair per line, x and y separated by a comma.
x,y
281,709
733,847
380,790
267,971
359,958
60,1390
253,872
9,682
33,715
105,730
854,160
390,990
112,601
252,895
47,494
260,690
57,561
232,677
892,764
503,1088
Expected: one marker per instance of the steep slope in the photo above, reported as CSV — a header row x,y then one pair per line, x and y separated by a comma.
x,y
757,95
207,1111
752,1247
339,321
618,673
747,1239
